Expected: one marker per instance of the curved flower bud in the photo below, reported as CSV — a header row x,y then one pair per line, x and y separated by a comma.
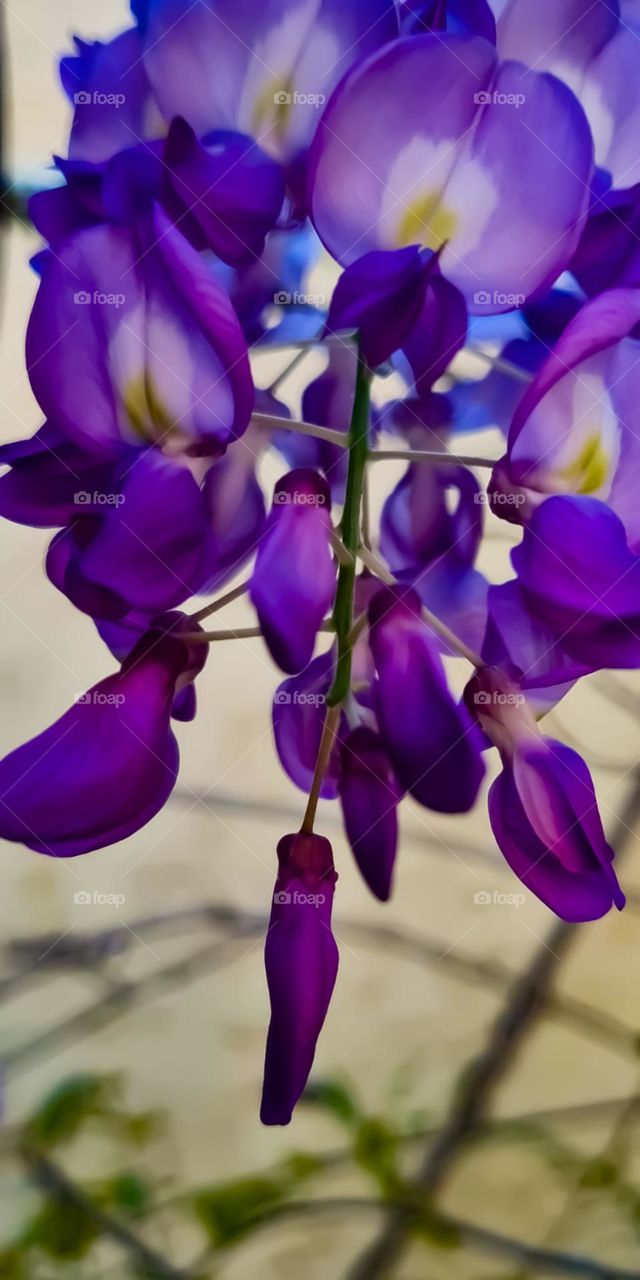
x,y
432,742
294,578
543,808
503,157
299,712
400,300
370,795
432,541
132,341
107,766
301,960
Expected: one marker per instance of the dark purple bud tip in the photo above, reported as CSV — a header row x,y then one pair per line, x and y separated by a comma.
x,y
302,488
393,604
370,795
301,959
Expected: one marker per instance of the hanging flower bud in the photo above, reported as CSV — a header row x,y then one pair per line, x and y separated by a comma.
x,y
294,579
370,796
432,742
301,960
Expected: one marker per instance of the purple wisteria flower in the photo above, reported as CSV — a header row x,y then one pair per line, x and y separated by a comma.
x,y
597,54
471,170
110,763
576,429
434,142
543,808
265,70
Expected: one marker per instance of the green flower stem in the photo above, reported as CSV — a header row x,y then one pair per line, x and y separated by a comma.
x,y
350,531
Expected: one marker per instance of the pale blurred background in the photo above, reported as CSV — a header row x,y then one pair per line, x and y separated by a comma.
x,y
415,1001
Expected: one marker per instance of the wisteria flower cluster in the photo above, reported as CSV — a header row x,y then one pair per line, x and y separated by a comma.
x,y
472,169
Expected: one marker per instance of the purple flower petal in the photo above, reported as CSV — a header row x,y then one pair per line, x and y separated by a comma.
x,y
113,101
231,188
578,576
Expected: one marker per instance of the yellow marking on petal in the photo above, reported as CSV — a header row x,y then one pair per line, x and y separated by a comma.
x,y
590,470
273,108
427,222
145,411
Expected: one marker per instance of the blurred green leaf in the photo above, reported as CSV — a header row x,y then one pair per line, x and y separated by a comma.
x,y
229,1211
67,1108
127,1193
62,1229
13,1264
600,1174
336,1098
300,1165
376,1151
